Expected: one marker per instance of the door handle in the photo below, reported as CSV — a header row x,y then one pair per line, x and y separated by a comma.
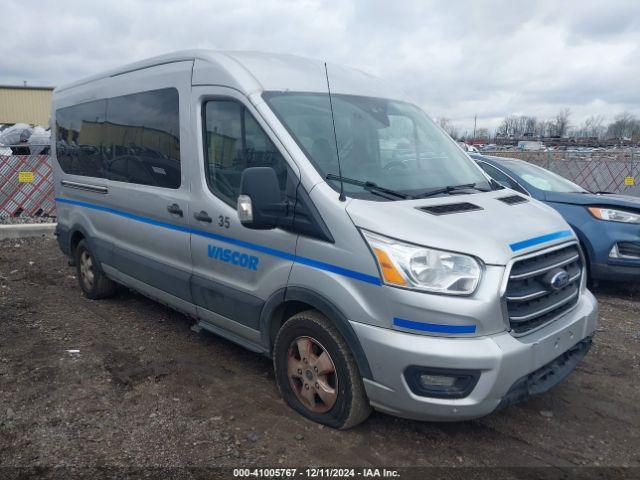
x,y
175,209
202,216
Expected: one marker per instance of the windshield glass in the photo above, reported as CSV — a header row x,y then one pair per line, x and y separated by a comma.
x,y
544,179
390,143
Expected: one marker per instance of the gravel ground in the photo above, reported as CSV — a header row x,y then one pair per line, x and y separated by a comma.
x,y
5,220
145,390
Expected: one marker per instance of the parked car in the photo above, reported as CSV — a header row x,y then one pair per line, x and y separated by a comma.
x,y
468,148
607,224
344,235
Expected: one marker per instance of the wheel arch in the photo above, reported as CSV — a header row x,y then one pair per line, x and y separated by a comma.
x,y
75,234
74,239
587,249
286,302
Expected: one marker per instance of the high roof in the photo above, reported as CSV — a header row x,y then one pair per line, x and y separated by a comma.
x,y
252,72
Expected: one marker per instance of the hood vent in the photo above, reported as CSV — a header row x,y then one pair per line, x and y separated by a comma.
x,y
449,208
513,199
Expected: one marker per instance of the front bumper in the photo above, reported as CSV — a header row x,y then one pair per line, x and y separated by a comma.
x,y
599,238
616,271
547,376
502,360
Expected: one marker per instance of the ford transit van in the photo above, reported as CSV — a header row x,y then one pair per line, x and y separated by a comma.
x,y
319,217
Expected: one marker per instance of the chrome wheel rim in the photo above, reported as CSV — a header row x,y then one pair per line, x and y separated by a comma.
x,y
87,274
312,374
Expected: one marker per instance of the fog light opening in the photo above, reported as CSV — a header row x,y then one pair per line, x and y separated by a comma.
x,y
436,381
625,251
441,383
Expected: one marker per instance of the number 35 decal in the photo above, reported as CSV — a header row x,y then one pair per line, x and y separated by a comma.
x,y
224,221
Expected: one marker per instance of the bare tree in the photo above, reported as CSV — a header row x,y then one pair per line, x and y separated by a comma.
x,y
593,127
542,128
529,125
483,134
509,126
518,126
448,126
625,125
561,122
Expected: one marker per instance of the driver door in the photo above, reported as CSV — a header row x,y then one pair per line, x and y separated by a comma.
x,y
235,269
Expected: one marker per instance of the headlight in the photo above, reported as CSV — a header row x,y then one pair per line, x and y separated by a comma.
x,y
613,215
421,268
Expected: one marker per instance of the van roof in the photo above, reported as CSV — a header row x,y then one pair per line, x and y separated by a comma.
x,y
250,72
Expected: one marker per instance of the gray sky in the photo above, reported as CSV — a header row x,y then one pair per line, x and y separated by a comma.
x,y
454,58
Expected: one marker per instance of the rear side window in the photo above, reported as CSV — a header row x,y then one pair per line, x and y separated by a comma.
x,y
234,141
135,138
79,137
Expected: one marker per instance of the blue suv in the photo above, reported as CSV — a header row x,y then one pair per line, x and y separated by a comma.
x,y
608,225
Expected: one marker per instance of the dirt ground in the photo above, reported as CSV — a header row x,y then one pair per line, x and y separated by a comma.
x,y
145,390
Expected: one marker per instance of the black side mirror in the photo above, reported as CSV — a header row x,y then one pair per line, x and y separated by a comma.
x,y
260,205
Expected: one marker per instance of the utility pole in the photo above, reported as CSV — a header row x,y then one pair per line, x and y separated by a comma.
x,y
475,121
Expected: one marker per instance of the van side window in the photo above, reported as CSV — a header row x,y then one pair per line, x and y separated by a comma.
x,y
234,141
133,138
143,131
80,137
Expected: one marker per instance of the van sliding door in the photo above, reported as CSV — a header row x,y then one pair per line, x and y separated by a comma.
x,y
146,160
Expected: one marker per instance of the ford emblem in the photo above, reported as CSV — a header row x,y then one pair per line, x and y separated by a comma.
x,y
559,280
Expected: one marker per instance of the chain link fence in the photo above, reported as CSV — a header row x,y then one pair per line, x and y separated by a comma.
x,y
612,171
26,186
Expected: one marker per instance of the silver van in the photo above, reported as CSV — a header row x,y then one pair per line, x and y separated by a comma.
x,y
317,216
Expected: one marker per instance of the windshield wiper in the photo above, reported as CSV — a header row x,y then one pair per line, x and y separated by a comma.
x,y
369,186
450,189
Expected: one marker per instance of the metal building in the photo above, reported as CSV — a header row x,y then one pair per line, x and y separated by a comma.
x,y
25,104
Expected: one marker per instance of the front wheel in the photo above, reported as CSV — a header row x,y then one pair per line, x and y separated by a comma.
x,y
316,373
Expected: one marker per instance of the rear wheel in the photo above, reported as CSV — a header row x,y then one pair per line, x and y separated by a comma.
x,y
316,373
91,278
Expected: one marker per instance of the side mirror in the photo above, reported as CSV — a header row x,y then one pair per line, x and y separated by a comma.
x,y
260,205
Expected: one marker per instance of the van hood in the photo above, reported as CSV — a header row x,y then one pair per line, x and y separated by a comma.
x,y
494,233
599,199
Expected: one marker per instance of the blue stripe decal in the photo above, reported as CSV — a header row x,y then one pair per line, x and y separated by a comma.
x,y
433,327
345,272
538,240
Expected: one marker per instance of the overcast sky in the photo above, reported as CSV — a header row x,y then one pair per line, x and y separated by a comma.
x,y
455,58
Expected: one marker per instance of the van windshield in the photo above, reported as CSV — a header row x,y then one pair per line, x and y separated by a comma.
x,y
388,143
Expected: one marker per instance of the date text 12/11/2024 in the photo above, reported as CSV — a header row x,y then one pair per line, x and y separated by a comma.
x,y
320,472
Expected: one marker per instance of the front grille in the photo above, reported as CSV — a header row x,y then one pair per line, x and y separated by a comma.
x,y
531,300
448,208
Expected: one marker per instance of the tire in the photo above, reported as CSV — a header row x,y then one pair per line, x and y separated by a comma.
x,y
92,280
336,399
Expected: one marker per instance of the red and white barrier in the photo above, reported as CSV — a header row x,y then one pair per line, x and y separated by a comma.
x,y
26,186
